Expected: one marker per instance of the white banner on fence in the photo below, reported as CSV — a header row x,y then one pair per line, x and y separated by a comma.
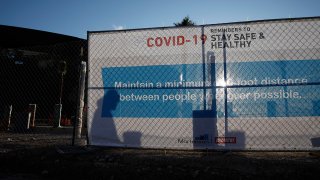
x,y
251,85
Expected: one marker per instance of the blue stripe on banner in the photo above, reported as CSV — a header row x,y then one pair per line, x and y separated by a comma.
x,y
132,91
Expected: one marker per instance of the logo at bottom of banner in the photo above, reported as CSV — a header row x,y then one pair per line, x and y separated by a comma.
x,y
226,140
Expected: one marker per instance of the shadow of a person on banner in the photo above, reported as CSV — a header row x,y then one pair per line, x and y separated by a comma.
x,y
103,130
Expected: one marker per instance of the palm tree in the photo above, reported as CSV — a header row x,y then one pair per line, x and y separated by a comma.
x,y
186,21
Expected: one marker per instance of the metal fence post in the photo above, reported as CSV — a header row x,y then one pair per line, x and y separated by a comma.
x,y
32,115
57,115
78,124
8,117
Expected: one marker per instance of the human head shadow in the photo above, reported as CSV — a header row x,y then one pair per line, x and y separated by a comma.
x,y
110,102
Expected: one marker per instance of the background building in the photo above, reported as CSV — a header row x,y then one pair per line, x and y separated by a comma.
x,y
39,68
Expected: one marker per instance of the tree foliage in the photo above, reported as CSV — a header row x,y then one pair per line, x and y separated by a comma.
x,y
186,21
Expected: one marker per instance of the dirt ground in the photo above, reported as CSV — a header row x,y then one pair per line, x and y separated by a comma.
x,y
40,156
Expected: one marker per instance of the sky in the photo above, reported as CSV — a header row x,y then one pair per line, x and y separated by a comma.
x,y
76,17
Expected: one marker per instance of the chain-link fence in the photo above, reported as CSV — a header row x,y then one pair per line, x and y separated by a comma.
x,y
249,85
39,93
